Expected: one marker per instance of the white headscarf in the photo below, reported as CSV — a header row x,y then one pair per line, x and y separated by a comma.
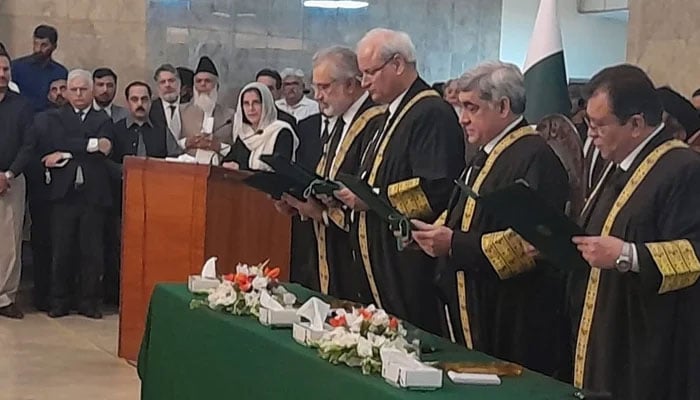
x,y
262,141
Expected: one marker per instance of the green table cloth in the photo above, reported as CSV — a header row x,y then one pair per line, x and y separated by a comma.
x,y
204,354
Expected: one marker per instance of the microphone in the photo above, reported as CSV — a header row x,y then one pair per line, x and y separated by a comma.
x,y
228,122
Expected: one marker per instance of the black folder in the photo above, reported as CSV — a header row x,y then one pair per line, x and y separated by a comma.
x,y
380,206
313,183
531,216
274,184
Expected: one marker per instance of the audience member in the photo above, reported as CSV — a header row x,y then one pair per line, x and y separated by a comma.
x,y
294,102
105,88
165,110
186,84
696,99
35,72
273,81
57,93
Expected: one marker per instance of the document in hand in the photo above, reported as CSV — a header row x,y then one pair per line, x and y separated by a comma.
x,y
314,184
528,214
398,223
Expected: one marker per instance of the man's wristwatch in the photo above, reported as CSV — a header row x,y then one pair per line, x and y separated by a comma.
x,y
624,261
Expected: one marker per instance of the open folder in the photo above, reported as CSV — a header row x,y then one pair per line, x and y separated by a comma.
x,y
398,223
313,183
274,184
528,214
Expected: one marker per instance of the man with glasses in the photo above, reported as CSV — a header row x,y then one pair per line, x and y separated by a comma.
x,y
412,159
293,101
348,116
635,309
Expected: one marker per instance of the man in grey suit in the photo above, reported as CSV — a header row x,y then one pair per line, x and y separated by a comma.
x,y
104,89
199,131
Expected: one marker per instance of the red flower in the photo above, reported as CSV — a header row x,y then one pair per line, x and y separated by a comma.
x,y
272,273
393,323
246,287
240,279
366,315
338,321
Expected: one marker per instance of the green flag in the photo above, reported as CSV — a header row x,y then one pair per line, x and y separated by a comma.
x,y
545,71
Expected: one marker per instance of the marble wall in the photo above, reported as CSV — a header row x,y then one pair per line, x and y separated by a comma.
x,y
91,33
243,36
664,39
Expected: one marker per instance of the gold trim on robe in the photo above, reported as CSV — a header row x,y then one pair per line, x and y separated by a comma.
x,y
468,215
409,198
442,219
677,263
335,214
590,300
362,223
506,253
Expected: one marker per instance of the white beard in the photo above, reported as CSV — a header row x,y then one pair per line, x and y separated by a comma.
x,y
205,101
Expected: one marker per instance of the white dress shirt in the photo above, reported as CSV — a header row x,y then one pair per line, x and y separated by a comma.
x,y
107,109
174,123
304,108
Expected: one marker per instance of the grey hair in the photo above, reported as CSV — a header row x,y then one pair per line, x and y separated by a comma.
x,y
79,73
287,72
393,42
344,62
495,80
166,68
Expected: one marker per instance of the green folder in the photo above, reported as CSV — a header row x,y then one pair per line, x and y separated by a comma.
x,y
531,216
313,183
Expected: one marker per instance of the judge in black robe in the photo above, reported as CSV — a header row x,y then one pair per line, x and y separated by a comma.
x,y
411,160
342,139
635,315
499,300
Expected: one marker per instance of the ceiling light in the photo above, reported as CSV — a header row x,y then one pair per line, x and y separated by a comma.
x,y
346,4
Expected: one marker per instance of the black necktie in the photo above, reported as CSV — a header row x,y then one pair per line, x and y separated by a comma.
x,y
373,146
81,115
477,163
325,135
594,216
172,111
335,141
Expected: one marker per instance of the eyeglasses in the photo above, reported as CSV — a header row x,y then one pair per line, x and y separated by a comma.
x,y
373,71
322,87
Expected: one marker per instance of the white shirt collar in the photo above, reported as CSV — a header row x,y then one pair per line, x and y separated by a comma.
x,y
84,110
394,105
488,148
627,162
97,107
349,115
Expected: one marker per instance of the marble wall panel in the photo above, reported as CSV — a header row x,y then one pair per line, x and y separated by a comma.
x,y
664,39
243,36
92,33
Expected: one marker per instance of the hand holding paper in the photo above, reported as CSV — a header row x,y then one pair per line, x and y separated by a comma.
x,y
434,240
350,199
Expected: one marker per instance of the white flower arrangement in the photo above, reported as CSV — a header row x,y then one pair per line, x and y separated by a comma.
x,y
239,293
358,336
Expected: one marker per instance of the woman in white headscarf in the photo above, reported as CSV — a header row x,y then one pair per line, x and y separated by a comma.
x,y
257,131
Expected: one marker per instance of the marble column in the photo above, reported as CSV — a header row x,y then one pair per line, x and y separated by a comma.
x,y
664,39
91,33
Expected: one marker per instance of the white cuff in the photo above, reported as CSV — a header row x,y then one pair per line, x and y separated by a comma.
x,y
225,149
93,145
9,175
182,143
635,258
66,155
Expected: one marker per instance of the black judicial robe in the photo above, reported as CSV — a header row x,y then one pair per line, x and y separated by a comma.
x,y
420,153
500,301
338,275
637,333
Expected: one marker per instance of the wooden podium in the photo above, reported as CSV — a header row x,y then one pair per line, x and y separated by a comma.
x,y
176,216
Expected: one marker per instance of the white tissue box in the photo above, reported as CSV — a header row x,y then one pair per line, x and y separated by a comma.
x,y
409,377
474,379
303,334
278,318
197,284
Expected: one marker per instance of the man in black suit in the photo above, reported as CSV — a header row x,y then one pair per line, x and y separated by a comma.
x,y
165,111
81,138
134,135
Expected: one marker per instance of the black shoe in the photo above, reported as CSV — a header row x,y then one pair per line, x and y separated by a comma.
x,y
11,311
58,312
41,306
91,312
